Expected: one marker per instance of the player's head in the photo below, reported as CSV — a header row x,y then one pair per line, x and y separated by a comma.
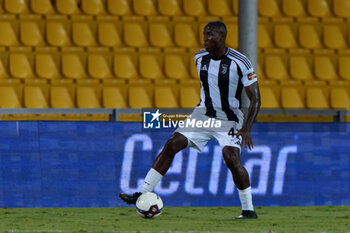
x,y
214,35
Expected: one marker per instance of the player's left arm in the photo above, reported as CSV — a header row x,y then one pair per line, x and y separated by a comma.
x,y
253,94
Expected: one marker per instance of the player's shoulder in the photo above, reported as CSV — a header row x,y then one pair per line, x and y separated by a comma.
x,y
239,58
233,52
201,53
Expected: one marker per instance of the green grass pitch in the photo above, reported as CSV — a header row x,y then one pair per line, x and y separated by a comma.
x,y
175,219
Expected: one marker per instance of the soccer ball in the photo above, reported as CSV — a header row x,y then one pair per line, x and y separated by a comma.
x,y
149,205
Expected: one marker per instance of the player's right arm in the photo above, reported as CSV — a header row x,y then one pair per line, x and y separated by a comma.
x,y
251,87
253,94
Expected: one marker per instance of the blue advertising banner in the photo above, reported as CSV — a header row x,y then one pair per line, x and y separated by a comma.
x,y
87,164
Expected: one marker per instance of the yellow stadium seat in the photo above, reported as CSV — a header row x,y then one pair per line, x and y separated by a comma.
x,y
200,33
264,35
114,96
8,33
275,66
219,8
67,7
36,96
125,65
83,33
32,33
194,7
160,34
340,98
16,6
232,35
317,98
269,96
2,9
292,97
300,67
260,68
93,7
72,65
144,7
62,96
99,65
47,66
341,8
140,97
150,65
284,35
164,97
10,96
169,7
309,35
135,34
235,7
108,34
193,68
58,33
88,94
185,34
175,66
42,7
3,65
3,71
21,65
293,8
325,67
334,36
118,7
268,8
189,96
344,67
318,8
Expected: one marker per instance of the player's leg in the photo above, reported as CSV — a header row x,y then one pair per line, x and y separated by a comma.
x,y
163,161
240,177
232,159
160,166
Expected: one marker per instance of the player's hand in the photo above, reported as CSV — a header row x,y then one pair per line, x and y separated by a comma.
x,y
246,138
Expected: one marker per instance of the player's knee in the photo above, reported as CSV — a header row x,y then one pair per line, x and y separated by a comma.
x,y
175,143
231,157
170,146
232,162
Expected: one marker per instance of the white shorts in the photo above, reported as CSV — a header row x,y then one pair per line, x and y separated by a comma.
x,y
198,137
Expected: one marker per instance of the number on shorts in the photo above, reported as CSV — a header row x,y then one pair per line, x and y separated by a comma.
x,y
231,132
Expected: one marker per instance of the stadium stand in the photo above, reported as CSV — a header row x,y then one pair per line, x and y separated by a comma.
x,y
341,8
292,95
11,93
62,93
139,53
293,8
166,95
42,7
47,65
170,8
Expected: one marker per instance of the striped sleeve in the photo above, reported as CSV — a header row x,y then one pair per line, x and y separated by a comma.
x,y
248,73
199,54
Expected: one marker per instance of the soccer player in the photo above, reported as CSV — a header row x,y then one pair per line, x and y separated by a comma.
x,y
223,73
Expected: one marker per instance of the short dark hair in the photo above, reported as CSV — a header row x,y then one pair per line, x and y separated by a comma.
x,y
219,26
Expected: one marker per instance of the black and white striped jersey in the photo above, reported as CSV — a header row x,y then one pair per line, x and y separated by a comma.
x,y
222,81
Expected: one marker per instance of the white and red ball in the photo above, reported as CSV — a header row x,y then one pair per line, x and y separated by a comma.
x,y
149,205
